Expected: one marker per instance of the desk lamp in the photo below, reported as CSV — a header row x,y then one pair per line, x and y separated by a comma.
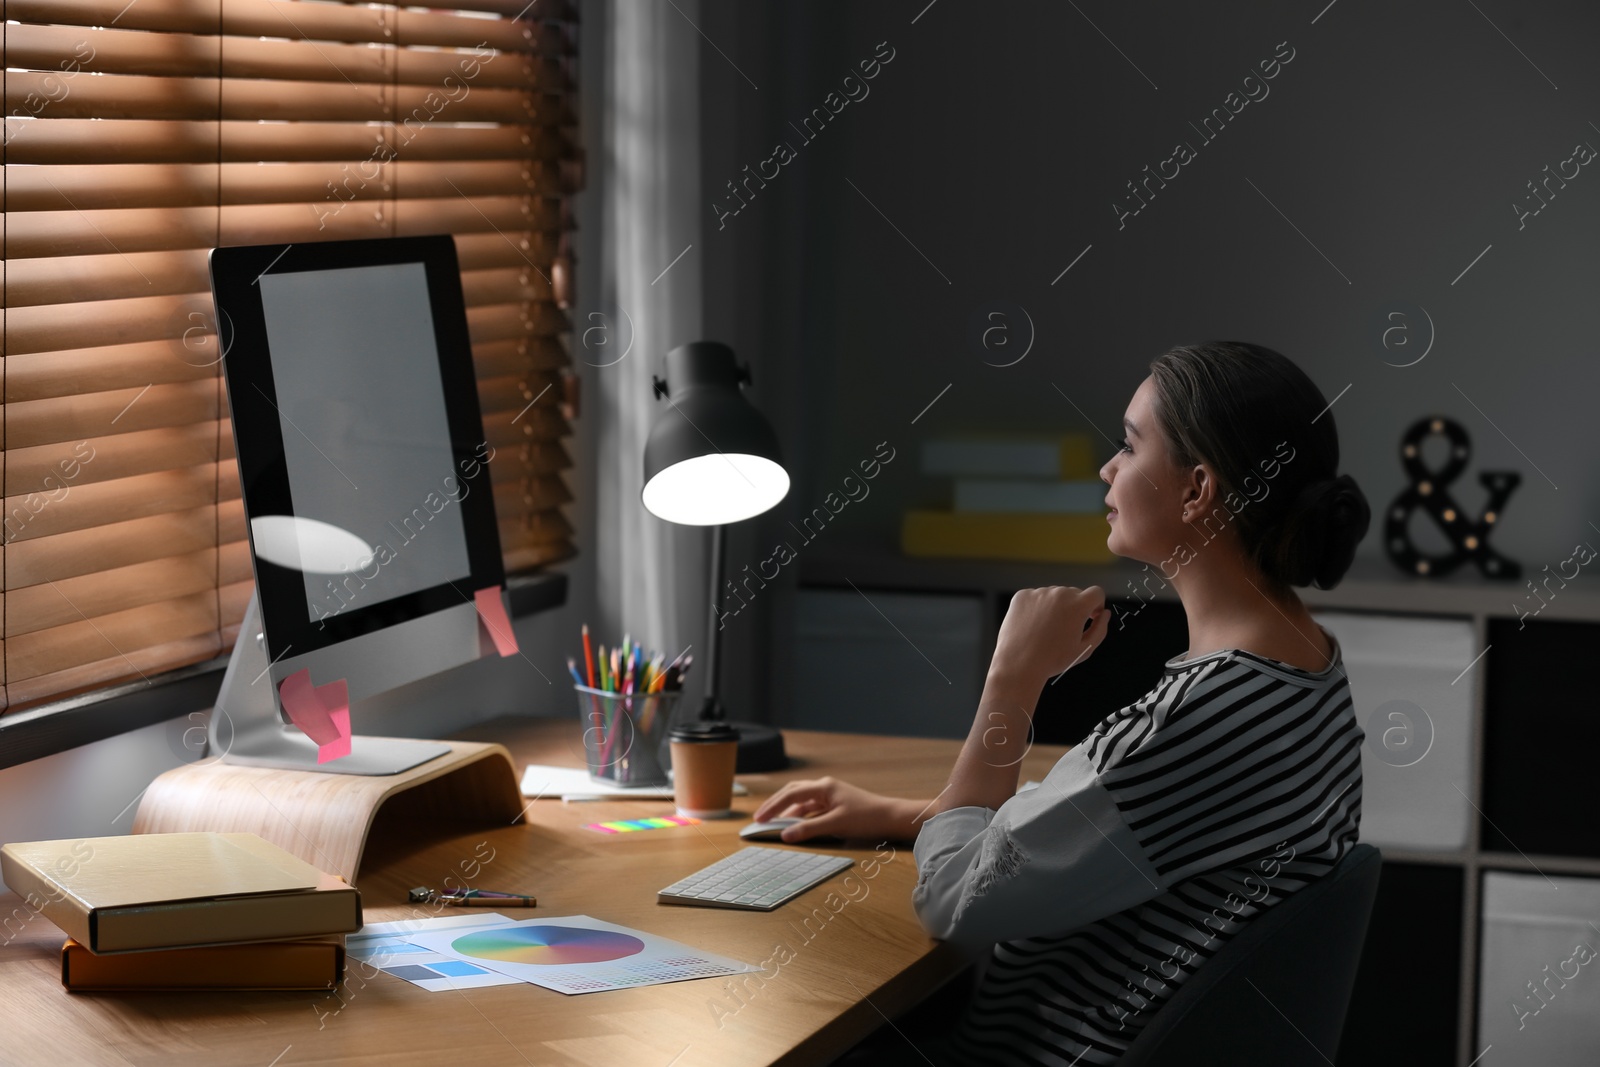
x,y
712,459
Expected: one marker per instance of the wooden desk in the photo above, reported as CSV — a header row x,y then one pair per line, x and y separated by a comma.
x,y
861,957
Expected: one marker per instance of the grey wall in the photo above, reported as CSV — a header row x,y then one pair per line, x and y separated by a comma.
x,y
1384,157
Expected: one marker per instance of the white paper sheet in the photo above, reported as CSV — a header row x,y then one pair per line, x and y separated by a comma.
x,y
574,783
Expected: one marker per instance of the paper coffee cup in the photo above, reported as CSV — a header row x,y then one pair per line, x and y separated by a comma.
x,y
704,755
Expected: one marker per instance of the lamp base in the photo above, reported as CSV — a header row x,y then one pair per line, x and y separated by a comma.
x,y
760,746
760,749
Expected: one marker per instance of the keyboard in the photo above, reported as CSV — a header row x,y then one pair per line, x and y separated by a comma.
x,y
755,879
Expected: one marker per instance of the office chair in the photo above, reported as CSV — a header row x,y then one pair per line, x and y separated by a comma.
x,y
1302,953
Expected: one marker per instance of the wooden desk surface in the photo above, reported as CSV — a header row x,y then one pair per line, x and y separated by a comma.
x,y
836,962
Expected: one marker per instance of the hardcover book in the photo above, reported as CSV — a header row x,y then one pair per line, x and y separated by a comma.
x,y
312,964
156,891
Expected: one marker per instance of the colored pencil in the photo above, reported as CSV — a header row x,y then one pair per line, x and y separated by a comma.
x,y
596,711
597,717
588,655
608,732
633,679
609,714
618,707
605,707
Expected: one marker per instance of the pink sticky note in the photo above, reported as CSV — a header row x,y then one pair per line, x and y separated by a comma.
x,y
340,717
321,711
492,610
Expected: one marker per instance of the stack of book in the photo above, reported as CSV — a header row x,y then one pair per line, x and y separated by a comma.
x,y
186,911
1022,498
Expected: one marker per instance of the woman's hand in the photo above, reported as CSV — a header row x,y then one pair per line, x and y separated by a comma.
x,y
1048,630
831,807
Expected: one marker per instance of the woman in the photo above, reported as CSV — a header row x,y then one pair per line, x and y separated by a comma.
x,y
1234,782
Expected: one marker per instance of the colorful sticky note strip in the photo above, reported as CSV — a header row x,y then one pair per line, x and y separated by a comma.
x,y
623,826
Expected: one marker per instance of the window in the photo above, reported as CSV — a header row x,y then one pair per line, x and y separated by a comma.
x,y
140,135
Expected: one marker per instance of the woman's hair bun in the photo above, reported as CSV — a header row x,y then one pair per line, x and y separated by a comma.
x,y
1232,404
1333,517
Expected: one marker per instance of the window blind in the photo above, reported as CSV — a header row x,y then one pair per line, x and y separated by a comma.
x,y
140,135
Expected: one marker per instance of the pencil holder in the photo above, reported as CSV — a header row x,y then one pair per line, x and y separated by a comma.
x,y
624,737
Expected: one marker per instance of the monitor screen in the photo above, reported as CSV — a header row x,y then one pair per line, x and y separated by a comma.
x,y
366,438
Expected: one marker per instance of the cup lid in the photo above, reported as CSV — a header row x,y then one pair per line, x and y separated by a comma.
x,y
703,732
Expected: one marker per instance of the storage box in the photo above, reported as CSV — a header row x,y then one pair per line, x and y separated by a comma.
x,y
1416,708
1539,982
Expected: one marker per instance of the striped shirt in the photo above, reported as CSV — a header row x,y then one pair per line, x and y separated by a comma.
x,y
1231,784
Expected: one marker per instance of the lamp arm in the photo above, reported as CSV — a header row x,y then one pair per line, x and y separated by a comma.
x,y
712,708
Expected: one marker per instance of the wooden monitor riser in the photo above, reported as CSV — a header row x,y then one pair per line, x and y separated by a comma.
x,y
324,818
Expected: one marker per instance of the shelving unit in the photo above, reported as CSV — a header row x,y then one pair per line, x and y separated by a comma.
x,y
1372,586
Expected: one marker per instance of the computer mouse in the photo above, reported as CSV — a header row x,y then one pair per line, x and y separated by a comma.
x,y
766,831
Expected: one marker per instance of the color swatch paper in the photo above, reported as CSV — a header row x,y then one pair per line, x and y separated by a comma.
x,y
384,947
547,945
577,954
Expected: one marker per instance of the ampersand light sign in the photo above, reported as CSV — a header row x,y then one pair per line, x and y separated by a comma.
x,y
1429,490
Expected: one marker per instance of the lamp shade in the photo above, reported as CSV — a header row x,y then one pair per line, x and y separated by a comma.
x,y
711,457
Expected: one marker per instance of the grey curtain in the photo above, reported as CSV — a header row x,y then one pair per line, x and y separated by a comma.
x,y
651,576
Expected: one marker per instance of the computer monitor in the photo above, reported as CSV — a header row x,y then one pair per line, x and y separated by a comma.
x,y
364,469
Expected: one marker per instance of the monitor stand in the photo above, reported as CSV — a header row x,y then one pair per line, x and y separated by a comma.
x,y
247,730
262,777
